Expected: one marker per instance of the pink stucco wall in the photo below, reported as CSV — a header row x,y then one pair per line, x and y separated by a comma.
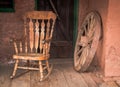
x,y
83,9
101,6
112,55
108,52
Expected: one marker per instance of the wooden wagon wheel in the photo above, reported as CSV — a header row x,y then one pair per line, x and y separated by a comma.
x,y
87,41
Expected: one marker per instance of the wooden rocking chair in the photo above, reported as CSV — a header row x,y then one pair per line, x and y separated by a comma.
x,y
33,48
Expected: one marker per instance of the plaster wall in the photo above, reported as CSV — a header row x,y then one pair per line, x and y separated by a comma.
x,y
112,56
108,53
101,6
83,9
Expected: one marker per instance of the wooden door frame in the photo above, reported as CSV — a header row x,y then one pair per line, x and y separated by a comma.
x,y
76,11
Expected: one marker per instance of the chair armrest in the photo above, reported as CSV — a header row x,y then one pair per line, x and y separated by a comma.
x,y
21,39
17,42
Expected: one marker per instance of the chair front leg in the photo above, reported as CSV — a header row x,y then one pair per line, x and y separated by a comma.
x,y
41,70
15,68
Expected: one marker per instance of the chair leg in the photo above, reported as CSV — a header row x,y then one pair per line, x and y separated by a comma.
x,y
15,69
47,64
41,70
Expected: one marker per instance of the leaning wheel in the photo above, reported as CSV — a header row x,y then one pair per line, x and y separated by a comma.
x,y
87,41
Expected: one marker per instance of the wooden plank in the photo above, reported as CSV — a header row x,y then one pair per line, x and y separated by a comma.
x,y
63,75
114,78
103,85
57,78
34,80
112,84
22,79
109,84
61,61
118,82
73,78
4,75
89,80
96,78
5,81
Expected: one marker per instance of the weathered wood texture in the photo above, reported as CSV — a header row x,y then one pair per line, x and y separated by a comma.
x,y
63,75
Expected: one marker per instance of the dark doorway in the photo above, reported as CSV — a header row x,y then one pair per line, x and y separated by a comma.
x,y
62,46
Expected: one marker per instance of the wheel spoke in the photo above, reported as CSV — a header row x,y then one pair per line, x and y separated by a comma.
x,y
79,51
83,30
92,22
90,39
91,30
84,55
89,20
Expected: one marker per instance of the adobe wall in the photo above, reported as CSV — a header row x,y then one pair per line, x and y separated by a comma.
x,y
10,24
109,50
83,9
112,56
101,6
108,53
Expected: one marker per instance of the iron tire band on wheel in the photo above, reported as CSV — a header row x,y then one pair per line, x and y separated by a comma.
x,y
86,47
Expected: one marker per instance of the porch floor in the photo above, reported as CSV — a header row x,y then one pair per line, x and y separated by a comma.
x,y
63,75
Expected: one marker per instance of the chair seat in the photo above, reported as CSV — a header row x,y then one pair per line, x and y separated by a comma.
x,y
30,56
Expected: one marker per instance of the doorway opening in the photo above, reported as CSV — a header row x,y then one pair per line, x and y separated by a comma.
x,y
66,25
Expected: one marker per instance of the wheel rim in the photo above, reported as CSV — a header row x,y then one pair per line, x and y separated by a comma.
x,y
87,41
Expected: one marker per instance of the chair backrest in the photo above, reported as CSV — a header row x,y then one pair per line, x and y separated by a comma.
x,y
38,31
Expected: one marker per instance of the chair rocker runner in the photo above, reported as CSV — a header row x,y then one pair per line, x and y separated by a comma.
x,y
32,50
